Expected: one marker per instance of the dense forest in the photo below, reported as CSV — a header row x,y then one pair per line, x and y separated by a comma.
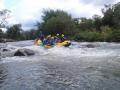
x,y
97,28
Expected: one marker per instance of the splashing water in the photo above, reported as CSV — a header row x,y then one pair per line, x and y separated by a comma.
x,y
59,68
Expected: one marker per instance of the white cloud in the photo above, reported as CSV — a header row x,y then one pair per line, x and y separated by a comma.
x,y
115,1
26,10
1,5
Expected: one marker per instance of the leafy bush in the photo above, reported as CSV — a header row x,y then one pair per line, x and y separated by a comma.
x,y
115,35
106,33
57,22
88,36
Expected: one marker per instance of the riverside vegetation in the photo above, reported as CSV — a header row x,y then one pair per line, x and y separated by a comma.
x,y
97,28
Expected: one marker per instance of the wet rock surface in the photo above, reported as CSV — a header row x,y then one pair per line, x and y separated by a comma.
x,y
9,51
24,52
5,50
90,46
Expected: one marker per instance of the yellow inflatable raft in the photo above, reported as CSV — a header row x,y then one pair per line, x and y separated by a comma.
x,y
38,42
48,46
66,43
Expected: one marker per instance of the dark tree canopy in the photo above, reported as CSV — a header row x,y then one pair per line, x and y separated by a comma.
x,y
57,22
14,32
97,28
112,15
1,34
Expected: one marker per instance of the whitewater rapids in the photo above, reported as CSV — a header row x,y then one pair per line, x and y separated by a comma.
x,y
73,68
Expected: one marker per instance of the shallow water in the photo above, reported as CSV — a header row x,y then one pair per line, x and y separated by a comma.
x,y
59,68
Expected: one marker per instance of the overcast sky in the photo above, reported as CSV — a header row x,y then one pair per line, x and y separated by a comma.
x,y
27,12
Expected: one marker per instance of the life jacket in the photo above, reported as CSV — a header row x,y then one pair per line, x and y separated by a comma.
x,y
39,42
46,42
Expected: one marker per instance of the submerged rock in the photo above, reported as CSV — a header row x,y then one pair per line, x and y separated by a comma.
x,y
90,46
24,52
4,50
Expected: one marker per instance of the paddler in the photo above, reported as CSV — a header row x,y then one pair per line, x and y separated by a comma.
x,y
46,40
63,38
41,36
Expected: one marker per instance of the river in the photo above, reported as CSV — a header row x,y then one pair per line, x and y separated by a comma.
x,y
60,68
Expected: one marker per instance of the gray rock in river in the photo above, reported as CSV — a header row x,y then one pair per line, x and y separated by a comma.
x,y
90,46
24,52
5,50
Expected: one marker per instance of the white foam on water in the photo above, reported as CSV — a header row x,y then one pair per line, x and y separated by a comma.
x,y
21,43
13,59
79,52
74,51
39,50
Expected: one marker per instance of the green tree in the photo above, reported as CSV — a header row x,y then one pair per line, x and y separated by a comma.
x,y
108,16
29,34
33,34
57,22
14,32
97,22
26,35
116,35
4,14
86,24
1,34
106,33
111,15
116,15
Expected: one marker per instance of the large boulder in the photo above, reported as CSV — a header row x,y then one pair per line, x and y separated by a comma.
x,y
24,52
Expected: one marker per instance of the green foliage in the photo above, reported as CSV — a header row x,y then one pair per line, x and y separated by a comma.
x,y
116,35
97,28
57,22
97,22
1,34
14,32
30,35
106,28
48,14
88,36
54,25
108,16
85,24
116,16
106,33
112,15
